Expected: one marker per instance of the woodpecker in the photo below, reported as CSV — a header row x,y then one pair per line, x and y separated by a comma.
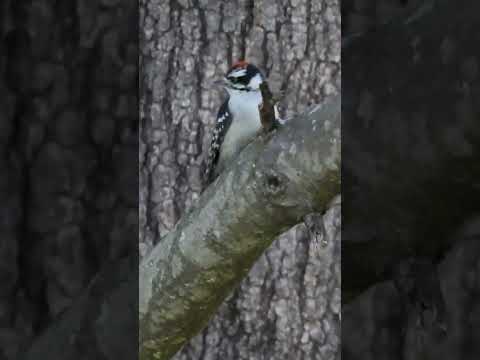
x,y
238,119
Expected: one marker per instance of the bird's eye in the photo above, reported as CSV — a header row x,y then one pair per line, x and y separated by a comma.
x,y
237,79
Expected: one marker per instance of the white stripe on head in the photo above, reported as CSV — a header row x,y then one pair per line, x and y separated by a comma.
x,y
238,73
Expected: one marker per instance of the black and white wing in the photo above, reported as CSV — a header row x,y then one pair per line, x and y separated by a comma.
x,y
224,119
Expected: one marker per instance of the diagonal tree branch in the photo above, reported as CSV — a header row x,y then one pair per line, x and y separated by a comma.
x,y
277,180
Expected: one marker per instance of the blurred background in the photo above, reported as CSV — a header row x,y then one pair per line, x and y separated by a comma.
x,y
68,158
410,170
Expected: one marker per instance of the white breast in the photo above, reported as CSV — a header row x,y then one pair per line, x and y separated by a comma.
x,y
245,125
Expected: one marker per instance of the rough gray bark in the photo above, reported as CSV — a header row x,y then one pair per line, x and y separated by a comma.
x,y
274,184
186,45
282,310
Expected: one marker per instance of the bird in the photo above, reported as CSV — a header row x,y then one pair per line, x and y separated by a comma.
x,y
238,119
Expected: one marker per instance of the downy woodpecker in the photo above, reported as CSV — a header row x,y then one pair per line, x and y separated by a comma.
x,y
238,120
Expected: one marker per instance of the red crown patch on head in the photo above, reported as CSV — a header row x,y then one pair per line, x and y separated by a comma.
x,y
240,64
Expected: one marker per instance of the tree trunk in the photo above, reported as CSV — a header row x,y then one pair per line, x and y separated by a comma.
x,y
288,306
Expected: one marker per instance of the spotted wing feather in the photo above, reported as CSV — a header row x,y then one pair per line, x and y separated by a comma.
x,y
224,120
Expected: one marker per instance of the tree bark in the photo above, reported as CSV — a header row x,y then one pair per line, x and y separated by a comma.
x,y
273,186
184,49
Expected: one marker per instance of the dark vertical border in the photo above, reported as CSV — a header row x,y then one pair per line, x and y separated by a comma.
x,y
68,179
411,200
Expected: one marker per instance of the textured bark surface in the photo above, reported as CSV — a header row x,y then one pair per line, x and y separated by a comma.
x,y
68,165
287,306
279,179
185,47
410,170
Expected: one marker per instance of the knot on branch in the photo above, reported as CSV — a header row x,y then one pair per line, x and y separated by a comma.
x,y
274,183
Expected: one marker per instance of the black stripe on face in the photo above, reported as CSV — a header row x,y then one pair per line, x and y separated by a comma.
x,y
238,81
